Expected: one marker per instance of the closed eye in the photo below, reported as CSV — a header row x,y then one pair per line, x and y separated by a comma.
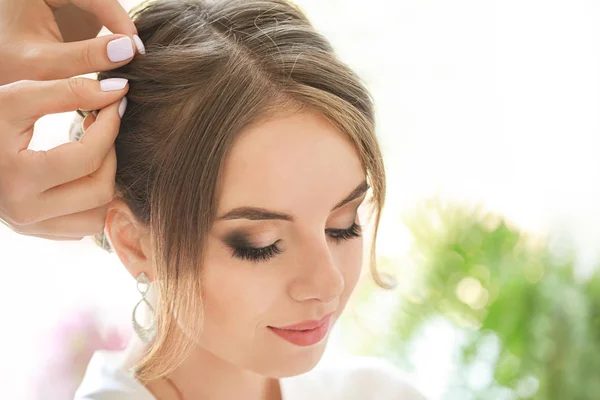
x,y
244,251
339,235
256,254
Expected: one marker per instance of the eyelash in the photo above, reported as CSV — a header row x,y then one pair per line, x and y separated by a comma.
x,y
265,253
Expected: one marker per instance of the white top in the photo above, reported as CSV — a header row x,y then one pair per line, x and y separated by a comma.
x,y
356,378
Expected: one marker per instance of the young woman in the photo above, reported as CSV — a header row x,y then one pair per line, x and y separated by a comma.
x,y
245,152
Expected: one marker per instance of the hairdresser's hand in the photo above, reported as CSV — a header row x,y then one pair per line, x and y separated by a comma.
x,y
37,38
61,193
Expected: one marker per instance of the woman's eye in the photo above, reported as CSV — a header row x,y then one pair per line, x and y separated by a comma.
x,y
339,235
255,254
261,254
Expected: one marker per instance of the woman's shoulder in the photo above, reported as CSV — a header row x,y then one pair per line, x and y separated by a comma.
x,y
352,378
106,379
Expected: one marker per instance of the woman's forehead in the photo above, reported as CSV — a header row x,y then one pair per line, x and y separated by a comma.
x,y
290,161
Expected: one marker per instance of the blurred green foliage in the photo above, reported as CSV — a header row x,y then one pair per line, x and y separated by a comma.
x,y
491,281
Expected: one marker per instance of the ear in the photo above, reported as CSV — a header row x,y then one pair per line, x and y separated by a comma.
x,y
129,238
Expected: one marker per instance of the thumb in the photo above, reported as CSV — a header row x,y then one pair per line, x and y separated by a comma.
x,y
64,60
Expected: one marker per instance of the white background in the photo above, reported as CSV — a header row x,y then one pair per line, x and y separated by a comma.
x,y
483,101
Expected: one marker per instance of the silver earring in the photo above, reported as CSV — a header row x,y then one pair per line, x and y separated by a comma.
x,y
146,334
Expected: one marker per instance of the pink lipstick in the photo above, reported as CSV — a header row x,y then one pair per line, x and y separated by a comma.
x,y
304,333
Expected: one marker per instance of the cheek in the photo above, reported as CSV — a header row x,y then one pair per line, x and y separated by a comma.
x,y
236,294
349,258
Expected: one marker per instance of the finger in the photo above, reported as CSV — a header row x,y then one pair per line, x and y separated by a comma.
x,y
110,13
75,24
71,161
86,193
70,227
85,125
57,238
63,60
30,100
87,122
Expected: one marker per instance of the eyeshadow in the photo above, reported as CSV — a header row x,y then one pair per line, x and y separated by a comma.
x,y
238,239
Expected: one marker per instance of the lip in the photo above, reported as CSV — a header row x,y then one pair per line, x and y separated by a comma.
x,y
306,333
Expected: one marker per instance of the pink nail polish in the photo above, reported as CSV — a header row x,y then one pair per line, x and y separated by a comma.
x,y
139,44
120,49
122,106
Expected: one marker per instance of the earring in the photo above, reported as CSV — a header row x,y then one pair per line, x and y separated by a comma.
x,y
146,334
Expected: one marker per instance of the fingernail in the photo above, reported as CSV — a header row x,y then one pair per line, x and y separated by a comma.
x,y
120,49
139,44
122,106
95,113
110,84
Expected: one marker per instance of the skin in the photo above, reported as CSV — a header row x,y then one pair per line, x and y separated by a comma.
x,y
56,39
296,164
52,41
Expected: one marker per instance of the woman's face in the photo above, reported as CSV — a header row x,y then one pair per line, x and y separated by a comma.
x,y
285,247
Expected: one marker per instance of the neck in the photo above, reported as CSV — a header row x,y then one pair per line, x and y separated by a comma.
x,y
205,376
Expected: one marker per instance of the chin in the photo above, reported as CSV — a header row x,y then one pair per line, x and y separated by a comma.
x,y
297,362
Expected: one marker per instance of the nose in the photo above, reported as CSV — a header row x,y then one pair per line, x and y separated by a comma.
x,y
317,276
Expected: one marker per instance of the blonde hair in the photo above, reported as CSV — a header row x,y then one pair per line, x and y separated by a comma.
x,y
210,70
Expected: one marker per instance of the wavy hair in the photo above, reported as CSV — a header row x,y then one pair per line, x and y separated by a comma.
x,y
210,70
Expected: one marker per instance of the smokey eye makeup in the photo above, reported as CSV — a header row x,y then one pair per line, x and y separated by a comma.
x,y
242,248
339,235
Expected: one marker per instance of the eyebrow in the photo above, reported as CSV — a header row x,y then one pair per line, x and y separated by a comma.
x,y
258,214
